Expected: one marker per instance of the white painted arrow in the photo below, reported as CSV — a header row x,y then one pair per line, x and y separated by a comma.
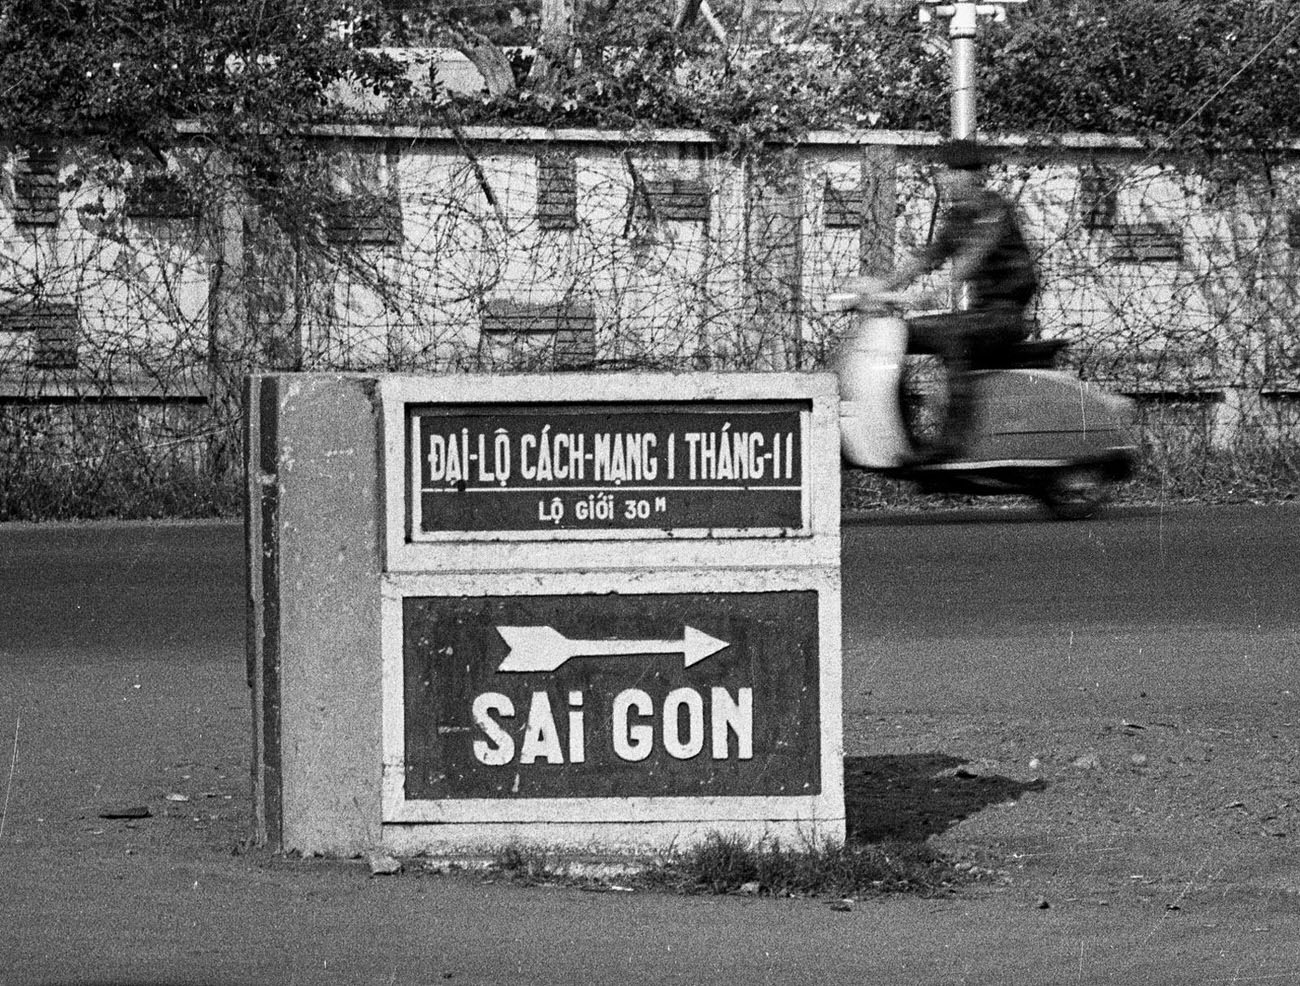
x,y
545,648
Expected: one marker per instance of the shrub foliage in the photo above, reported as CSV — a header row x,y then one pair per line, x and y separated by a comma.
x,y
1201,74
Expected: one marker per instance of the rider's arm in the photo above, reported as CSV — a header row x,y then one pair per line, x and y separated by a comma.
x,y
907,272
968,237
945,244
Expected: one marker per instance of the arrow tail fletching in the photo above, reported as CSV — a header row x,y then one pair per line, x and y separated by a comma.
x,y
534,648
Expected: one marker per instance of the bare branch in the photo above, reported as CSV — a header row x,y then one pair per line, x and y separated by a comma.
x,y
485,56
686,12
555,45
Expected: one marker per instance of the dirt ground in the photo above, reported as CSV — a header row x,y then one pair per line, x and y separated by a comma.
x,y
1130,843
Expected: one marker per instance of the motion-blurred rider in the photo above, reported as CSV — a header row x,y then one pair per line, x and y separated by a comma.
x,y
981,234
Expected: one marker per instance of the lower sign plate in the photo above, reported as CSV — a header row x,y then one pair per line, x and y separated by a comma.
x,y
589,696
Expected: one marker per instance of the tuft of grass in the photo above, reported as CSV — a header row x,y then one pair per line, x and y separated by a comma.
x,y
523,862
130,461
724,864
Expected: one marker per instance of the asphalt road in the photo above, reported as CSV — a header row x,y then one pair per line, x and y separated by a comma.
x,y
175,592
970,634
995,609
81,593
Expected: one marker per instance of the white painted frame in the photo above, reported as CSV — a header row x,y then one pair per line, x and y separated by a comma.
x,y
824,810
562,549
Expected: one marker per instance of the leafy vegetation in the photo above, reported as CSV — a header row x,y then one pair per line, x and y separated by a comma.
x,y
126,70
1198,74
1201,73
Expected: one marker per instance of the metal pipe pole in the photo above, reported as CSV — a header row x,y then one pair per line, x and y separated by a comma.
x,y
961,34
963,24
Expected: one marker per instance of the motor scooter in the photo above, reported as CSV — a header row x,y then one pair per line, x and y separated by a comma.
x,y
1038,431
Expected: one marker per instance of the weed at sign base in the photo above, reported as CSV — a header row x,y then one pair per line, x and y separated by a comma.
x,y
733,864
729,864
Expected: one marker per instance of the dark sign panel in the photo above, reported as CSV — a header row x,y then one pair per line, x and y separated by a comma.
x,y
604,696
598,467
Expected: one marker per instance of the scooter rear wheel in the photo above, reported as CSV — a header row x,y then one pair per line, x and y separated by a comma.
x,y
1075,492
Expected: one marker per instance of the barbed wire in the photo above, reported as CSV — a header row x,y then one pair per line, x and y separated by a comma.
x,y
451,261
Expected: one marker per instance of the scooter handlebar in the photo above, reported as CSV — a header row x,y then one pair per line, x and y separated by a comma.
x,y
869,298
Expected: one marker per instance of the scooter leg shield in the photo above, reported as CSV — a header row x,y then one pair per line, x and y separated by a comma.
x,y
872,433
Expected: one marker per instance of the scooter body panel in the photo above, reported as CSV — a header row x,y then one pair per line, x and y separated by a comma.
x,y
1047,418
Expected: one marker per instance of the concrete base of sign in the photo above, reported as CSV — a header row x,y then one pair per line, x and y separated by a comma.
x,y
613,685
605,838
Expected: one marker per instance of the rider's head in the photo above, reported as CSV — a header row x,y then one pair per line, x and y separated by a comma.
x,y
963,163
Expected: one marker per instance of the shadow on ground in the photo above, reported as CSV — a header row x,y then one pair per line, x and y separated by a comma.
x,y
911,797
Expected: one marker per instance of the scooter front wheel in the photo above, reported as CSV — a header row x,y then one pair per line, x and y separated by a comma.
x,y
1075,492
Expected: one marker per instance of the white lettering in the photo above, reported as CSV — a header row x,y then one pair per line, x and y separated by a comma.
x,y
649,458
454,460
560,466
499,748
708,456
734,714
683,726
527,443
577,457
632,743
726,467
756,460
501,456
437,458
692,445
595,507
690,700
577,729
544,465
541,738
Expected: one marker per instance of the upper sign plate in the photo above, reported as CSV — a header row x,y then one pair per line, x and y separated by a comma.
x,y
595,469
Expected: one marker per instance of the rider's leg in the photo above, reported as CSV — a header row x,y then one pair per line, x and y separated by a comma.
x,y
992,331
964,340
948,336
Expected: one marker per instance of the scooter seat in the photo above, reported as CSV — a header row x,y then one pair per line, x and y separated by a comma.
x,y
1034,354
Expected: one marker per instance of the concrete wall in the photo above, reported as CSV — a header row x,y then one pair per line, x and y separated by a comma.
x,y
676,256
